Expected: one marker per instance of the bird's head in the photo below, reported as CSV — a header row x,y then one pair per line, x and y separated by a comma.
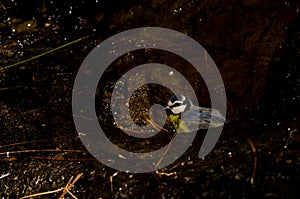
x,y
177,104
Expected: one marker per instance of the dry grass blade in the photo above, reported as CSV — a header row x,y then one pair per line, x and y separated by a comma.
x,y
162,157
255,160
22,143
41,150
139,132
157,126
65,189
43,193
69,186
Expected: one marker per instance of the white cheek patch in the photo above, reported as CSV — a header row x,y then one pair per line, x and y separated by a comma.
x,y
178,109
180,100
176,102
172,103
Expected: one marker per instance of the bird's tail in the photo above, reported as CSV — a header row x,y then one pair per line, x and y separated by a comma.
x,y
212,116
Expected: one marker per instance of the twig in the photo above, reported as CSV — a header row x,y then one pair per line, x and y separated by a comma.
x,y
164,173
44,53
129,130
139,132
41,150
111,182
69,186
255,160
32,141
65,189
4,175
156,126
10,88
22,143
64,159
43,193
164,154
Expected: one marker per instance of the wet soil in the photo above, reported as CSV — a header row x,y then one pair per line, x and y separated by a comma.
x,y
255,46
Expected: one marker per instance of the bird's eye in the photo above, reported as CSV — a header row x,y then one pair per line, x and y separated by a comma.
x,y
173,98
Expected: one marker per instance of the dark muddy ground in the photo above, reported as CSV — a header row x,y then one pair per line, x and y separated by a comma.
x,y
255,45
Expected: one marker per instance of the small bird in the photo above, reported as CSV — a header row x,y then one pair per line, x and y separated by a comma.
x,y
187,117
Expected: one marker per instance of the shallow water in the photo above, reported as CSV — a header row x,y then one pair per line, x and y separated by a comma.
x,y
36,123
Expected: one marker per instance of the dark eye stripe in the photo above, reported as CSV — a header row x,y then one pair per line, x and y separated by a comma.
x,y
175,98
176,104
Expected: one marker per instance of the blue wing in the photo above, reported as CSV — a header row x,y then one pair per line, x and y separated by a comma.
x,y
201,118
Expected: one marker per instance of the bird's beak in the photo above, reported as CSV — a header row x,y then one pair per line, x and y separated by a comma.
x,y
167,107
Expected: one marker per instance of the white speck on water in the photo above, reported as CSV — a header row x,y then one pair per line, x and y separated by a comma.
x,y
70,11
81,134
